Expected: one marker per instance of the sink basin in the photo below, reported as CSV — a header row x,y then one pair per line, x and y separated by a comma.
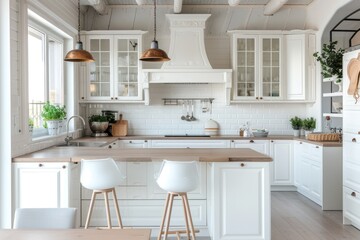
x,y
84,144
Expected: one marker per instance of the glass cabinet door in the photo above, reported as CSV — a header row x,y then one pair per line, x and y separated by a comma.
x,y
270,64
246,67
100,70
127,68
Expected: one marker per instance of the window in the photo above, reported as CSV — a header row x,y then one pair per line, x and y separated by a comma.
x,y
45,72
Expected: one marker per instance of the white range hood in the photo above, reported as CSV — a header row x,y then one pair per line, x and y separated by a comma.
x,y
189,62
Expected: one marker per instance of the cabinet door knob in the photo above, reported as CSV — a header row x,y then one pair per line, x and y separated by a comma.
x,y
353,194
300,142
130,141
353,140
111,98
261,98
317,147
116,98
40,165
242,164
63,167
232,141
257,98
82,98
109,146
272,140
145,141
252,141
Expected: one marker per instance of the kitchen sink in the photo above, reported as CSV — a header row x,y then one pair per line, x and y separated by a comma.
x,y
83,144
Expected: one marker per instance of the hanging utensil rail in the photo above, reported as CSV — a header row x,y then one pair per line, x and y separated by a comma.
x,y
179,101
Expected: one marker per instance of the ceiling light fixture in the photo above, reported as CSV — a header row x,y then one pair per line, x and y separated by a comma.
x,y
154,54
79,54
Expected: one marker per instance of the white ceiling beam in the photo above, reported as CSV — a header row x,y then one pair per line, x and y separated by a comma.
x,y
101,6
178,6
273,6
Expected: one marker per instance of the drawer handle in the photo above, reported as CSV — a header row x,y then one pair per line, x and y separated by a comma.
x,y
63,167
300,142
130,141
353,194
353,140
317,147
145,141
252,141
40,165
110,146
272,140
242,164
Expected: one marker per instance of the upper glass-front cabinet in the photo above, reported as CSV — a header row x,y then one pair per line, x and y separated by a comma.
x,y
114,76
257,67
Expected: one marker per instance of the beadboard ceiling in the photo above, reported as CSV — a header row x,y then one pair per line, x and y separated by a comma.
x,y
206,2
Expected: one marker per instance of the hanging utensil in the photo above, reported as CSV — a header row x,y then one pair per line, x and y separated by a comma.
x,y
192,118
183,117
187,111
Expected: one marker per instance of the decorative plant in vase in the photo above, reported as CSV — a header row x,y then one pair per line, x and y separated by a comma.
x,y
330,59
296,124
98,125
53,115
309,124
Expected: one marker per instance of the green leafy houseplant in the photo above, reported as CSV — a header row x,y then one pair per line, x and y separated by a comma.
x,y
330,60
53,112
309,124
98,118
296,123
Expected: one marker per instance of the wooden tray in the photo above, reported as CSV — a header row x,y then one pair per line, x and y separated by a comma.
x,y
324,137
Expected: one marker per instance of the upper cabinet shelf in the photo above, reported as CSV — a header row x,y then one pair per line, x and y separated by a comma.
x,y
273,66
114,76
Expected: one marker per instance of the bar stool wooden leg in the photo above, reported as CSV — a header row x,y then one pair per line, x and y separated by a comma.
x,y
169,215
117,210
189,216
164,216
107,209
185,215
93,196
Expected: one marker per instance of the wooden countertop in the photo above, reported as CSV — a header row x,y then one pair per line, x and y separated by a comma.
x,y
222,137
75,154
75,234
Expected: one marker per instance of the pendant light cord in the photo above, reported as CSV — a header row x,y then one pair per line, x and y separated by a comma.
x,y
79,21
154,20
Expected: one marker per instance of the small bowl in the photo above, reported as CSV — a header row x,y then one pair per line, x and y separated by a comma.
x,y
260,133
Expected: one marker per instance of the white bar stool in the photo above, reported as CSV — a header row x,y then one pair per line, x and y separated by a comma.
x,y
177,178
101,176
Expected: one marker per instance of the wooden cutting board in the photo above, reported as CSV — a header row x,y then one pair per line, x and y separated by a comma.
x,y
120,128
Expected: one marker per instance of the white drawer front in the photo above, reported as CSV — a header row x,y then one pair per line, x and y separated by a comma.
x,y
351,144
190,144
312,151
351,208
351,121
351,176
144,213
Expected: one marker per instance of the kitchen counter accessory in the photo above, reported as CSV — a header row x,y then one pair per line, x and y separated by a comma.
x,y
120,128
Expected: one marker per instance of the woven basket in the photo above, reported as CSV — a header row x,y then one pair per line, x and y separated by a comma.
x,y
324,137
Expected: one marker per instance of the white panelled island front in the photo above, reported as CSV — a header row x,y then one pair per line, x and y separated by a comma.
x,y
231,202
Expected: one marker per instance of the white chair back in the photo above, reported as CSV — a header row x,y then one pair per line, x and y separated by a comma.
x,y
44,218
99,174
176,176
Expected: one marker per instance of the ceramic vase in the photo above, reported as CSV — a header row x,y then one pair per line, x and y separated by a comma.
x,y
52,126
296,132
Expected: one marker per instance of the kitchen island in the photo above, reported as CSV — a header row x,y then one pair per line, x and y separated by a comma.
x,y
231,202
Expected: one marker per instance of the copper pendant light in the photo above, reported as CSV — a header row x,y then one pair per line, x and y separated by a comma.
x,y
79,54
154,54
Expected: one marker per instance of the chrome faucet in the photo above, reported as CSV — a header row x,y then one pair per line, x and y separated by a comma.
x,y
68,138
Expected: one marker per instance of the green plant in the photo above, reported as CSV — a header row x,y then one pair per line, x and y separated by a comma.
x,y
98,118
309,124
296,123
53,112
31,122
330,60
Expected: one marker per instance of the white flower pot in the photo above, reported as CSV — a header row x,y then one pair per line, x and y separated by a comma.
x,y
296,132
307,133
52,126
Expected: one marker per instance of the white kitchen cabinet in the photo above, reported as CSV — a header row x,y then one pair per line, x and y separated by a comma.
x,y
318,174
128,144
299,66
114,76
239,201
257,60
282,168
145,213
261,146
190,143
46,185
351,209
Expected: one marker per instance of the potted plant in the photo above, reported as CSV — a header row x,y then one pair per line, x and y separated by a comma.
x,y
52,114
296,124
330,59
309,124
98,124
31,124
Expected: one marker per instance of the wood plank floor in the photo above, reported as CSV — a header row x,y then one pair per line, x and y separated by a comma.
x,y
294,217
